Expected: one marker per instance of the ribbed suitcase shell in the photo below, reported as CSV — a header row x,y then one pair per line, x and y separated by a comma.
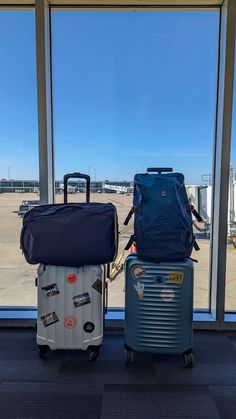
x,y
159,318
68,298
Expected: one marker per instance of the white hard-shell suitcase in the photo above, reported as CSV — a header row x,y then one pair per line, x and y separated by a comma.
x,y
70,308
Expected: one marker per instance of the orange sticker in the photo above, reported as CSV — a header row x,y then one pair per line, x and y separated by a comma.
x,y
72,278
70,322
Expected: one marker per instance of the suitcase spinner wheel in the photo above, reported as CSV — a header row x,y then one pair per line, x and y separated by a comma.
x,y
128,355
188,359
93,352
43,350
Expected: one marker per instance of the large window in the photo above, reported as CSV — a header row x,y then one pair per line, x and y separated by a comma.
x,y
19,151
132,90
230,290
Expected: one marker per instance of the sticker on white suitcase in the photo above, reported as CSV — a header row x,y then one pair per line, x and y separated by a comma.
x,y
81,300
49,319
72,278
50,290
97,285
70,322
89,327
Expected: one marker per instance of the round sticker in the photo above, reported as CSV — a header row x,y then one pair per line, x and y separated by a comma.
x,y
72,278
70,322
137,271
89,327
167,294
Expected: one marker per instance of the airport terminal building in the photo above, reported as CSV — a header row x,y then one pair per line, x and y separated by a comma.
x,y
23,186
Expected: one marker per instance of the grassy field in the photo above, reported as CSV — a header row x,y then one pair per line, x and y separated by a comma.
x,y
17,285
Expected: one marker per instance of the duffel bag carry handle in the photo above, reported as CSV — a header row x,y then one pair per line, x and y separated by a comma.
x,y
76,175
159,170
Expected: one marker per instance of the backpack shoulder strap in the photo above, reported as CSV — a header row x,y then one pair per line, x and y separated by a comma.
x,y
195,213
127,220
195,245
130,242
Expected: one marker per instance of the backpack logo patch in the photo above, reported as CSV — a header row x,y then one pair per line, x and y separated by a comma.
x,y
163,194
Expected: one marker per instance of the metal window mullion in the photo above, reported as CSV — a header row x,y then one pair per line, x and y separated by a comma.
x,y
222,158
44,89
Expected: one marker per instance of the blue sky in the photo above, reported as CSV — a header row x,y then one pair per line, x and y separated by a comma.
x,y
130,90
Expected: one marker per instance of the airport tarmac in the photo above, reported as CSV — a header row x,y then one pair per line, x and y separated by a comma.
x,y
17,278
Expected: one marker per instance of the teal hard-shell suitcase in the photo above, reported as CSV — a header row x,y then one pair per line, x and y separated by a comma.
x,y
158,308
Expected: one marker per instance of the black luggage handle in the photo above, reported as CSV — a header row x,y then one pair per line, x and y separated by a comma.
x,y
76,175
159,170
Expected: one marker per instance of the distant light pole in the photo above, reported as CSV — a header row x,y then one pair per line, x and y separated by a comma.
x,y
9,172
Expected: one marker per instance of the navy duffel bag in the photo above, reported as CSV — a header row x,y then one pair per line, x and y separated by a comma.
x,y
70,234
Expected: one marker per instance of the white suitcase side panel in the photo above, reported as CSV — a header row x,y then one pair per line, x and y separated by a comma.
x,y
70,306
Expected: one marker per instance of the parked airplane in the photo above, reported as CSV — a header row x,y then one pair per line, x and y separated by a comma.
x,y
118,189
70,188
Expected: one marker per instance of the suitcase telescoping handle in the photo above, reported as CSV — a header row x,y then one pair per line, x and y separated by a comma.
x,y
159,170
76,175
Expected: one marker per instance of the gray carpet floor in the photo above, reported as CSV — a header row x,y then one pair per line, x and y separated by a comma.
x,y
67,385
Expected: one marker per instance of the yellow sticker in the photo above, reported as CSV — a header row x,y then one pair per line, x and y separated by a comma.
x,y
176,278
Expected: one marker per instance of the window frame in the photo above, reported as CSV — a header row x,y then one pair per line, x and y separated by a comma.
x,y
217,318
